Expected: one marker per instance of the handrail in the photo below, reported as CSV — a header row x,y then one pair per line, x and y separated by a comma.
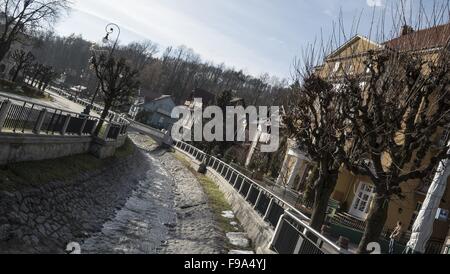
x,y
67,95
121,121
19,115
12,98
288,211
256,183
315,233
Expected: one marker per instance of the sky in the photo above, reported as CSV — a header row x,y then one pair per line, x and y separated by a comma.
x,y
257,36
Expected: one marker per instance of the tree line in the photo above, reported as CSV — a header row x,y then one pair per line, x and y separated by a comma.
x,y
174,71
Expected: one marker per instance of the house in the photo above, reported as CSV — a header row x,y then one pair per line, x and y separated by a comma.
x,y
136,107
157,113
353,193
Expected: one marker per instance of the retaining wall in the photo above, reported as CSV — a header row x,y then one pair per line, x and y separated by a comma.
x,y
260,232
29,147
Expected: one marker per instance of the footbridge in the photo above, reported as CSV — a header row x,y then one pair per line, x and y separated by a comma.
x,y
162,137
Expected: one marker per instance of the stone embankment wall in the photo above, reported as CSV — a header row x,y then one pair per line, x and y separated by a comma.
x,y
45,219
29,147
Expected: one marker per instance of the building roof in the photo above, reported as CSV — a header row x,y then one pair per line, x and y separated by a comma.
x,y
431,38
207,97
162,98
237,100
352,40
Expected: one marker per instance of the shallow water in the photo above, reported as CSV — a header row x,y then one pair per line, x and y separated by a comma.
x,y
142,225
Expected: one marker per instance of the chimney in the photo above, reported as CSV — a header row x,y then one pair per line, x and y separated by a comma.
x,y
407,30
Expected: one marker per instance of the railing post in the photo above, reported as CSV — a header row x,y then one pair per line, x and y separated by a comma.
x,y
108,127
226,174
83,126
66,124
277,232
4,113
94,127
40,121
249,191
269,208
235,181
257,200
242,186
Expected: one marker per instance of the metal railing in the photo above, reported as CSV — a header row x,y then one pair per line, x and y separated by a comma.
x,y
274,210
19,116
95,107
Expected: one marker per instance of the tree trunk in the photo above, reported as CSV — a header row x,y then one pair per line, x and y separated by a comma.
x,y
327,183
102,119
4,48
16,74
375,223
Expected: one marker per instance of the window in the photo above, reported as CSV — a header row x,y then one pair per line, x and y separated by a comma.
x,y
337,66
414,216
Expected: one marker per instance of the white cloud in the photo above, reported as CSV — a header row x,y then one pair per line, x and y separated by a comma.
x,y
375,3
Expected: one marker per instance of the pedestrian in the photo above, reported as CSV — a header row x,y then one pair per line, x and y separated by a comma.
x,y
394,237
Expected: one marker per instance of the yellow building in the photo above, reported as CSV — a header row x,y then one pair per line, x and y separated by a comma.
x,y
355,193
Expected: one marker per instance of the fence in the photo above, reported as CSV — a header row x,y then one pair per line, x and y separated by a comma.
x,y
19,116
290,224
95,107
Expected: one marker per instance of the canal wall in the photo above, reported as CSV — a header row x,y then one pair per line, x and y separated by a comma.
x,y
31,147
45,218
259,231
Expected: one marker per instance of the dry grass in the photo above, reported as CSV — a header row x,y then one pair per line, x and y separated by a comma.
x,y
216,199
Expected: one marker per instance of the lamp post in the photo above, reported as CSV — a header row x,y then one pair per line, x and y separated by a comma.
x,y
109,29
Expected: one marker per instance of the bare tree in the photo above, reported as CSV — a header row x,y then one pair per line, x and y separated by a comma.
x,y
21,60
118,82
22,16
140,54
314,118
395,115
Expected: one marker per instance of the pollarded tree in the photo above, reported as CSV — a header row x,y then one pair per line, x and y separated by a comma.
x,y
46,76
118,82
24,16
314,118
396,111
21,60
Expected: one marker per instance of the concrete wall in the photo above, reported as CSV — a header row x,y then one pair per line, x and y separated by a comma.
x,y
44,219
103,149
28,147
260,232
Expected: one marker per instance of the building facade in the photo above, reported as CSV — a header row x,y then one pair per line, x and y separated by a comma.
x,y
355,194
157,113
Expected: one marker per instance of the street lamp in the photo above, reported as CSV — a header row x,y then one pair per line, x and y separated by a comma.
x,y
109,29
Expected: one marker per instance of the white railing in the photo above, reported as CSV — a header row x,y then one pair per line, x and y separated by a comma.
x,y
20,116
282,216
